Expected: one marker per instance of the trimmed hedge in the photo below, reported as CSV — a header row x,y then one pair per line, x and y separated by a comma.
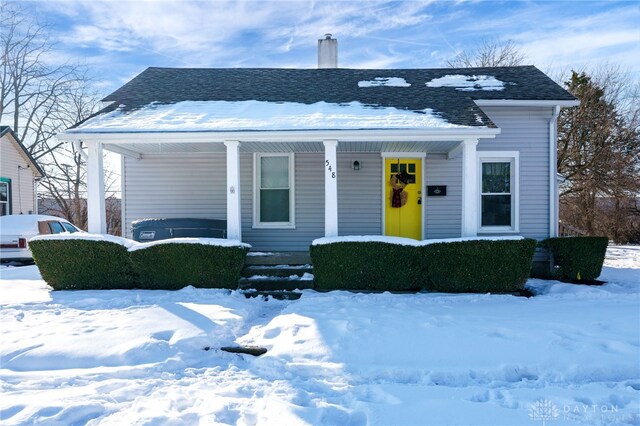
x,y
79,264
474,266
477,266
173,266
577,258
375,266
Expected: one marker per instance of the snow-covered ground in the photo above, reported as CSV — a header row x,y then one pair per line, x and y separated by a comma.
x,y
570,355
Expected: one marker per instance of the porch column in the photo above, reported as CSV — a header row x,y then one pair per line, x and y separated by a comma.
x,y
96,217
330,188
234,230
470,192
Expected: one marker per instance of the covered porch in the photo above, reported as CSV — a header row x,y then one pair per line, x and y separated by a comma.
x,y
332,156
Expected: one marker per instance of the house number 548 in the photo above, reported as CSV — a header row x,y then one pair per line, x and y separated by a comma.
x,y
327,164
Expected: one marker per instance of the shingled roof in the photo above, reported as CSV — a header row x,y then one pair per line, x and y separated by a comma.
x,y
341,86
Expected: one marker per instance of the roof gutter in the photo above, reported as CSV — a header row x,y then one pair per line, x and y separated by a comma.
x,y
526,103
385,135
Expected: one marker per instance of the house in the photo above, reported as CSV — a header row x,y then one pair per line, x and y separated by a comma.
x,y
18,175
290,155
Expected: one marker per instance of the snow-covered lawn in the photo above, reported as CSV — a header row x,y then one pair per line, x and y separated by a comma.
x,y
570,355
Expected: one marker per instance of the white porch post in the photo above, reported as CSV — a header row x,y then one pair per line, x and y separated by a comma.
x,y
469,188
330,188
234,230
96,221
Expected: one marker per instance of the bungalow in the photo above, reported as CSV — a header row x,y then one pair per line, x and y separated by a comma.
x,y
18,175
290,155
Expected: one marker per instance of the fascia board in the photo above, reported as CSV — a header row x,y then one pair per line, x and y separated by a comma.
x,y
413,135
525,103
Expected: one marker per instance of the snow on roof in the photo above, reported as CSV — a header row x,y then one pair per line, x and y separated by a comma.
x,y
220,242
384,81
87,237
467,82
403,241
191,116
24,223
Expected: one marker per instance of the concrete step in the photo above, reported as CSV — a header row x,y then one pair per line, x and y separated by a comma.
x,y
277,294
277,270
265,283
278,258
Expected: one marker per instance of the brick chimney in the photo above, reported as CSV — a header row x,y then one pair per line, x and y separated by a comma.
x,y
327,52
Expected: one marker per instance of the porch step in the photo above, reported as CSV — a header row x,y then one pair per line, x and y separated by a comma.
x,y
278,258
276,294
277,270
276,277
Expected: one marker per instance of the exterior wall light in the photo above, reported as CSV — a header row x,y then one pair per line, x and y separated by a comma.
x,y
356,165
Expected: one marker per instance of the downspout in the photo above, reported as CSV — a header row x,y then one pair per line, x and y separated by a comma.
x,y
553,173
123,198
35,195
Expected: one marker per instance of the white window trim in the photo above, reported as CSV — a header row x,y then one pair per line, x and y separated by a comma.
x,y
8,202
256,193
501,156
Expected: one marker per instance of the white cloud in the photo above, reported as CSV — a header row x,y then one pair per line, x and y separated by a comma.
x,y
129,35
611,36
207,32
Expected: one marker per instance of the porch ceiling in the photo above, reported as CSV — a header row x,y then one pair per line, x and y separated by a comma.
x,y
431,147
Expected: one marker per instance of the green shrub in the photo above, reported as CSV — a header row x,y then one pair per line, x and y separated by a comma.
x,y
363,265
172,266
577,258
477,266
82,264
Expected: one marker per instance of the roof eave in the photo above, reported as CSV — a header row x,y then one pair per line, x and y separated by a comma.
x,y
381,135
38,170
526,102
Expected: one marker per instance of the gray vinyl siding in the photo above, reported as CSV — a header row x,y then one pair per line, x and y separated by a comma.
x,y
173,186
359,201
526,130
359,194
443,215
309,210
193,185
170,185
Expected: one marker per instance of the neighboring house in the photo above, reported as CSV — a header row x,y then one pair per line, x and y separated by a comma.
x,y
290,155
18,174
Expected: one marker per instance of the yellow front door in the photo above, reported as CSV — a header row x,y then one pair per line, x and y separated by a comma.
x,y
403,200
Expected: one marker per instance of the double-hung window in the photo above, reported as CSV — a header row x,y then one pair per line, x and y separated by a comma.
x,y
499,191
274,191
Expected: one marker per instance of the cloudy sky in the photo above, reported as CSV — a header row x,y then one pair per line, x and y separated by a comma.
x,y
119,39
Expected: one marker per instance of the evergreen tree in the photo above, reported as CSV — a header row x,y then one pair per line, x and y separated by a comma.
x,y
598,160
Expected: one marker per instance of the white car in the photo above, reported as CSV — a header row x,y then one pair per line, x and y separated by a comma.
x,y
17,230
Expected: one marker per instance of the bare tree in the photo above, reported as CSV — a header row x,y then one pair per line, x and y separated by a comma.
x,y
63,190
39,99
30,87
489,53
